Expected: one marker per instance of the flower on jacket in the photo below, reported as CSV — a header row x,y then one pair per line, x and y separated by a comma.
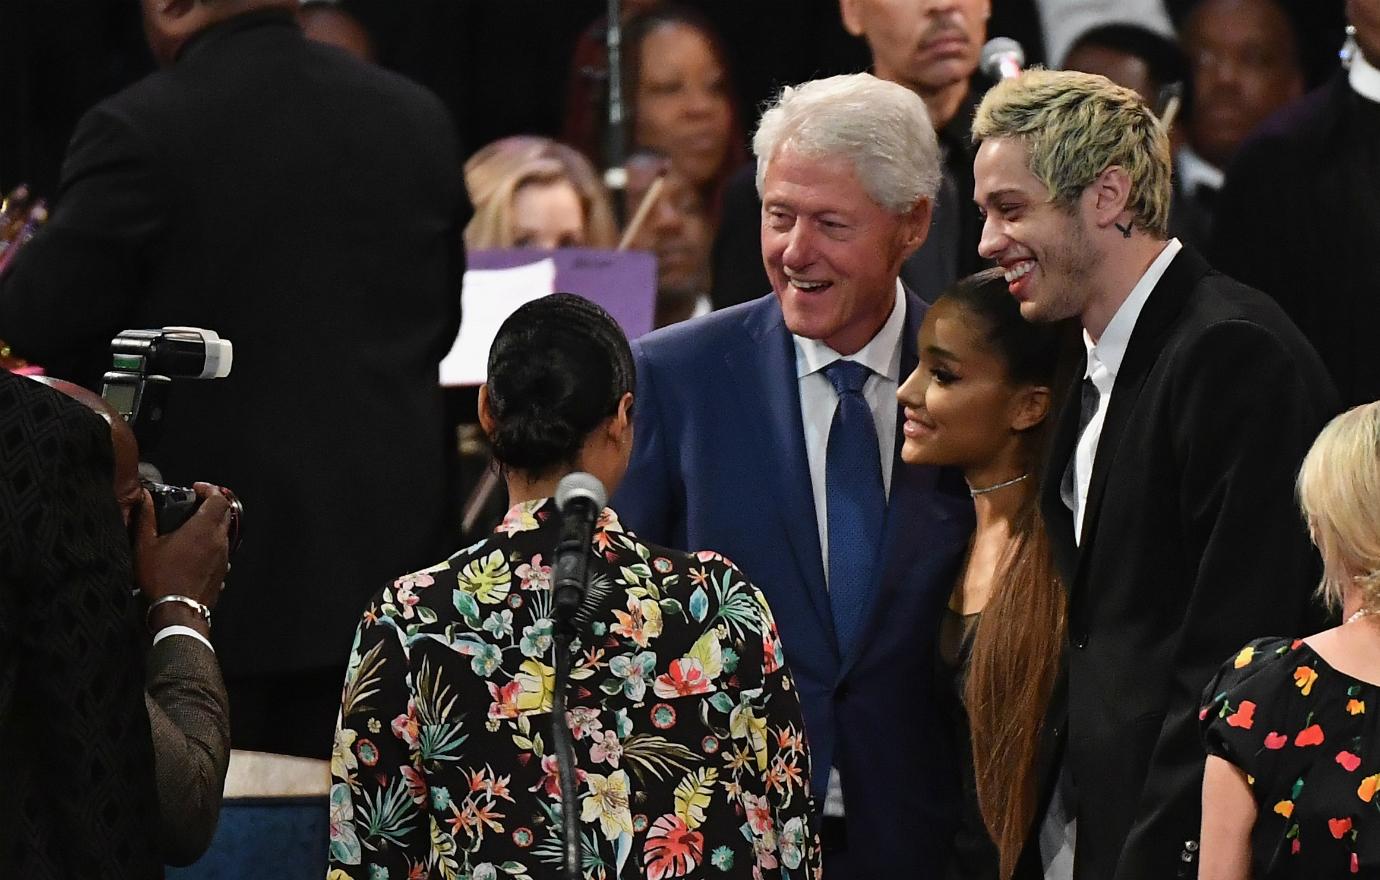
x,y
536,683
550,781
759,816
536,639
534,575
685,678
342,755
607,801
1355,707
584,721
1244,657
407,728
722,858
641,622
522,518
607,749
499,624
792,843
744,724
488,578
404,591
505,699
1304,676
344,841
635,670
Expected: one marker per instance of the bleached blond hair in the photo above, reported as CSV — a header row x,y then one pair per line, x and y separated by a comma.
x,y
1339,492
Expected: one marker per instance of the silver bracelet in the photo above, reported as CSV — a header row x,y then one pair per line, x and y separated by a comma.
x,y
181,600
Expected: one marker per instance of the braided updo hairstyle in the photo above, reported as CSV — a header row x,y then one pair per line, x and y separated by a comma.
x,y
557,369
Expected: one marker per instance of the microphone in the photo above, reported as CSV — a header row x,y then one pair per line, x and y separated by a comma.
x,y
1002,58
580,498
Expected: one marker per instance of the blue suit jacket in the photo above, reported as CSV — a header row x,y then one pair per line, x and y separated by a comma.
x,y
719,463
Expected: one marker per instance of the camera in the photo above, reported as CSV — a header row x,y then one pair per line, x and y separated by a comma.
x,y
174,505
144,365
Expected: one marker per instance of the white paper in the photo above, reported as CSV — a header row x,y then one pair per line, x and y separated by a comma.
x,y
490,296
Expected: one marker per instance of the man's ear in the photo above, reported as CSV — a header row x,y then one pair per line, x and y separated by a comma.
x,y
851,13
916,226
1110,194
1031,407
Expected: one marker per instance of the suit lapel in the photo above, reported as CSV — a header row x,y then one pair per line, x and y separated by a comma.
x,y
769,400
912,503
1164,305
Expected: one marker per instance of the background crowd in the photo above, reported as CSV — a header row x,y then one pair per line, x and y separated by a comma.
x,y
1084,503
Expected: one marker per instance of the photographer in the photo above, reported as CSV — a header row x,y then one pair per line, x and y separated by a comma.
x,y
184,692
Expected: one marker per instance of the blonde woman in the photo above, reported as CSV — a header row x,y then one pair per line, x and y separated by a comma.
x,y
533,192
1290,786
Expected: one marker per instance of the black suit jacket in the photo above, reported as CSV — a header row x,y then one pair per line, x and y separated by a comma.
x,y
309,208
1192,545
79,792
1298,218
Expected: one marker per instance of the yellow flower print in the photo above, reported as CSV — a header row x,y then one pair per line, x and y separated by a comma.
x,y
536,683
1247,654
1304,677
1285,808
1366,790
1355,707
342,756
607,801
743,724
488,580
641,622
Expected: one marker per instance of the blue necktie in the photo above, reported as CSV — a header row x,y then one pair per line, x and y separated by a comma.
x,y
855,500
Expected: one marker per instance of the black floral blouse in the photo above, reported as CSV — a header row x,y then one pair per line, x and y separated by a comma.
x,y
688,734
1305,736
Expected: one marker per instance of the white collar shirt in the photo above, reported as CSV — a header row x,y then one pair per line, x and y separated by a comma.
x,y
1104,362
882,355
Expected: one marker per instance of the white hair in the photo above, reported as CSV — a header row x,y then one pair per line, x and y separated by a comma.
x,y
882,127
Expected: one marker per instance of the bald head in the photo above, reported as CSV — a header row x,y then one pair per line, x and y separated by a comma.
x,y
127,488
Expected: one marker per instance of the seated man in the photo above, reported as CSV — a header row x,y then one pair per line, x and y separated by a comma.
x,y
184,693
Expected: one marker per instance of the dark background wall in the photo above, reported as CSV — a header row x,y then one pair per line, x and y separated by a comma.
x,y
501,65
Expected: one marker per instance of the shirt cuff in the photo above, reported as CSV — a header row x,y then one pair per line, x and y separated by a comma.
x,y
182,631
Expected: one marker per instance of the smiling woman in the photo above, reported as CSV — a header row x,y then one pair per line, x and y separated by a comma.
x,y
978,401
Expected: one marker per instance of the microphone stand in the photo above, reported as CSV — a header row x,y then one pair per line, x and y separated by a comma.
x,y
567,605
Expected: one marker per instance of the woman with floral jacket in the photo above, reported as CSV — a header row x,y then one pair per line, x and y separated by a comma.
x,y
689,745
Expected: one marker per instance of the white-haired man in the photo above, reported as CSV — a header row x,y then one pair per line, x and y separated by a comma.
x,y
768,432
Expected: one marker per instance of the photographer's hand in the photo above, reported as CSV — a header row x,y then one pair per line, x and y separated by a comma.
x,y
191,561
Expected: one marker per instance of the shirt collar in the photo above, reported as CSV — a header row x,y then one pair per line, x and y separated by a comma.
x,y
881,355
1364,77
1105,356
1195,171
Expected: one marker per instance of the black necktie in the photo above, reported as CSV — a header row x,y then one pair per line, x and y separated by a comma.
x,y
1087,407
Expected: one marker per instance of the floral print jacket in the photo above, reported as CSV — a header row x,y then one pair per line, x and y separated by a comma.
x,y
688,734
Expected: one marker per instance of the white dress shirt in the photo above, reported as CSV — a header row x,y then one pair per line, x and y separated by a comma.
x,y
1364,78
818,401
1104,362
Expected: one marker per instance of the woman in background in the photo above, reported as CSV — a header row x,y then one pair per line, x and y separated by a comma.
x,y
535,193
979,401
1293,767
688,735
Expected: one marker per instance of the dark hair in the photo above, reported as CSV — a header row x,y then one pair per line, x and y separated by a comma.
x,y
1163,58
557,369
1015,651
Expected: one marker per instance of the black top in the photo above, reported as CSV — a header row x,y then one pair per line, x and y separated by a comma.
x,y
1305,735
974,854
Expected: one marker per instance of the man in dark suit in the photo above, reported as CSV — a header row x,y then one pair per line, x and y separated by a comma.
x,y
1310,239
769,432
308,207
79,789
1169,490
